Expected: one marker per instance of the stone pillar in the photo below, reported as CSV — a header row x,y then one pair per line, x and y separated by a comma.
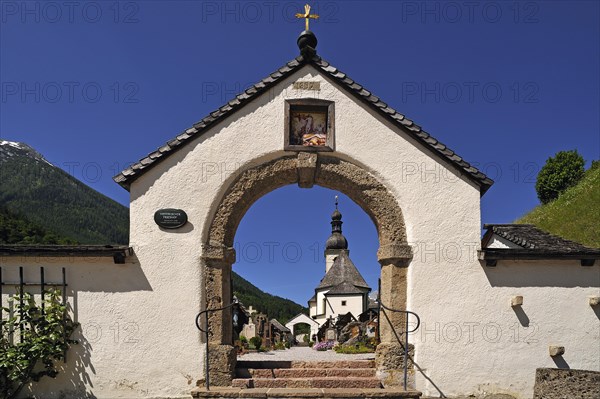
x,y
216,263
389,357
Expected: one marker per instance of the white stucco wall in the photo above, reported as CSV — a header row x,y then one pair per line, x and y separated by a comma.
x,y
354,305
321,304
124,329
471,333
161,292
329,259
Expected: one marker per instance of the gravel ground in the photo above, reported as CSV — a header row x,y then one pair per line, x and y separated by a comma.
x,y
305,354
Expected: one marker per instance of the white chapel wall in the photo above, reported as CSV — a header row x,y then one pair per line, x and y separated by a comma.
x,y
446,283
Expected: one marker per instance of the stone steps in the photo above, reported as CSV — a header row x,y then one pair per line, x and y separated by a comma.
x,y
326,393
325,382
349,379
295,364
305,373
349,374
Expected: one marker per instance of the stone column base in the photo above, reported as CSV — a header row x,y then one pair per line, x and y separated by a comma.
x,y
389,361
221,365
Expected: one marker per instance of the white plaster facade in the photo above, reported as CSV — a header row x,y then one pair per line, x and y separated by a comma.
x,y
337,305
152,300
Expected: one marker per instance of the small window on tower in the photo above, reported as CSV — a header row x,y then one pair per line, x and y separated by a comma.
x,y
343,303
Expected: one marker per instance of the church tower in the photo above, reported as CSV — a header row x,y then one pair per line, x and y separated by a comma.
x,y
336,243
342,290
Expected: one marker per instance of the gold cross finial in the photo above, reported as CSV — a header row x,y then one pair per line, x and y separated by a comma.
x,y
307,15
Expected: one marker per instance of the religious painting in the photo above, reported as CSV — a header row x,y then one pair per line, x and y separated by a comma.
x,y
309,128
309,125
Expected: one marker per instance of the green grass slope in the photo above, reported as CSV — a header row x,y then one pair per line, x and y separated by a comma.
x,y
575,214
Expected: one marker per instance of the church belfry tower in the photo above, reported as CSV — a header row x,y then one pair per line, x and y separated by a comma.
x,y
336,243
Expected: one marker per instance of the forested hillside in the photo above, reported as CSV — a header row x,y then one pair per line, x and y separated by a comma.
x,y
16,229
51,199
275,307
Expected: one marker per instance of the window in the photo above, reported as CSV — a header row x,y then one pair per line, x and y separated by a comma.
x,y
343,303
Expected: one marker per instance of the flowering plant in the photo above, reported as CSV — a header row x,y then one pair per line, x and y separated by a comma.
x,y
324,346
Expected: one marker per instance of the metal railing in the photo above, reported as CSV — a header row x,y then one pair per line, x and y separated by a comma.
x,y
198,317
406,332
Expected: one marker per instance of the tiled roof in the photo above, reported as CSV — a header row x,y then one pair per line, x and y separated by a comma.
x,y
64,250
343,271
127,176
346,288
534,244
530,237
279,326
117,252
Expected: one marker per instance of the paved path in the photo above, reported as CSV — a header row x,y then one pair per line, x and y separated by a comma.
x,y
304,354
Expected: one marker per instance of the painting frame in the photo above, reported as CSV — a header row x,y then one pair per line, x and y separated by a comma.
x,y
305,113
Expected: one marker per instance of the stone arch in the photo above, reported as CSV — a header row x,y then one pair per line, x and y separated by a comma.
x,y
303,319
306,169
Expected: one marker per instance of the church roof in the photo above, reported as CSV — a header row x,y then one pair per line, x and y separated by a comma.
x,y
127,176
343,271
346,288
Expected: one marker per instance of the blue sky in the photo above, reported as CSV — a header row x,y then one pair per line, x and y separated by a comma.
x,y
95,85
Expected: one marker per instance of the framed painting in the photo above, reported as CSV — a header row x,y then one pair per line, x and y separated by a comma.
x,y
309,125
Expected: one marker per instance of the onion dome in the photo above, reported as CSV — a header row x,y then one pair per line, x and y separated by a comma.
x,y
336,240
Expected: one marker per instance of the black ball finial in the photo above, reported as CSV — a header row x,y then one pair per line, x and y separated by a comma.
x,y
307,42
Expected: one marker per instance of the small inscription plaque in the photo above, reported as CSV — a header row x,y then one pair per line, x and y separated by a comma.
x,y
316,86
170,218
330,334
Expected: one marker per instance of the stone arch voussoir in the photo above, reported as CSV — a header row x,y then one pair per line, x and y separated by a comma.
x,y
326,171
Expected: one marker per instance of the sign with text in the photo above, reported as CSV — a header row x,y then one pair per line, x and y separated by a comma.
x,y
170,218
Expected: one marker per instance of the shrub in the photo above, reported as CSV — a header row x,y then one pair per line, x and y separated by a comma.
x,y
243,340
353,349
560,172
279,346
44,337
310,344
256,342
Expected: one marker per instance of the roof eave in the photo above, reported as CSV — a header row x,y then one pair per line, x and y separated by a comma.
x,y
117,252
494,254
438,149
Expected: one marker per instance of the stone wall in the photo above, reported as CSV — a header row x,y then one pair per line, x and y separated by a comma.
x,y
572,384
